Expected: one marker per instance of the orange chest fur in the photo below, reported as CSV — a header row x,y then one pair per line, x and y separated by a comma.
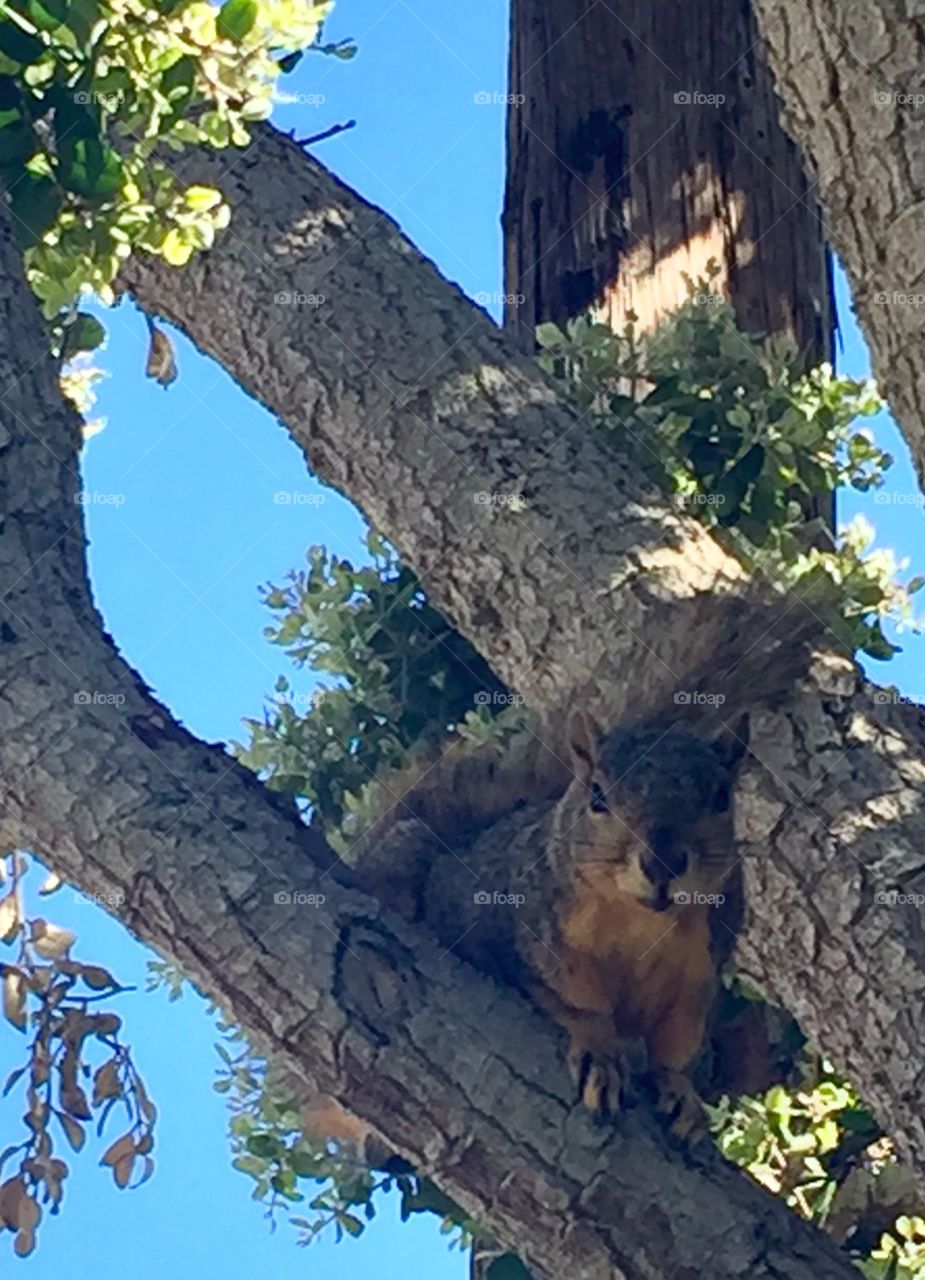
x,y
619,956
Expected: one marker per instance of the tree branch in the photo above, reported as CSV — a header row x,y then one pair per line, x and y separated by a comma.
x,y
190,851
849,73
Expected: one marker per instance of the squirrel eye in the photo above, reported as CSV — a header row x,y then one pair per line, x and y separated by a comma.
x,y
721,800
598,799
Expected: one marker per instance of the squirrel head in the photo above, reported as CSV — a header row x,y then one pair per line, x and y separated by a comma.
x,y
649,812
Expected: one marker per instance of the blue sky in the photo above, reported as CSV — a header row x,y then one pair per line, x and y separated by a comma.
x,y
176,569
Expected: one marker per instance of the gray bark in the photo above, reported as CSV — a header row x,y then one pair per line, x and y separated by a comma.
x,y
851,77
189,850
408,399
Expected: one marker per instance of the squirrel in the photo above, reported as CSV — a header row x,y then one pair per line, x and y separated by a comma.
x,y
611,909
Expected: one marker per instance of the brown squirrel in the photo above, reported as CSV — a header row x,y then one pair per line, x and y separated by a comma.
x,y
605,909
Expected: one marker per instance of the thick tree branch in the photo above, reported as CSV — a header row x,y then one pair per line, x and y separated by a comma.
x,y
831,819
849,73
189,851
407,398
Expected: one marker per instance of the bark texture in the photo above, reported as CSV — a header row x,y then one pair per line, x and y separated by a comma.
x,y
852,79
640,147
554,556
190,851
833,816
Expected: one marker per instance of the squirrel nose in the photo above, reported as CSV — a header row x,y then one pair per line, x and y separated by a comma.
x,y
667,858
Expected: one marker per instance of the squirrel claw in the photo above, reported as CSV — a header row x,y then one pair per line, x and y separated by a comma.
x,y
599,1082
679,1105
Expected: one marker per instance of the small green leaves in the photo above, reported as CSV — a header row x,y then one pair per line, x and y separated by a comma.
x,y
236,18
86,333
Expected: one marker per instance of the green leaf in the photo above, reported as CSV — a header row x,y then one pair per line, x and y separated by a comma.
x,y
85,334
176,248
35,203
290,62
199,198
235,19
91,169
734,485
48,14
19,45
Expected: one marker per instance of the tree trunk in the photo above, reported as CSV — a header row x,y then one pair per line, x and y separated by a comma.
x,y
849,73
641,144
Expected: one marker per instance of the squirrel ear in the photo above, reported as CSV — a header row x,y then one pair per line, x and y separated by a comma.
x,y
583,736
732,744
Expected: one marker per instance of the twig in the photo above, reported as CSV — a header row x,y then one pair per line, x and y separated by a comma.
x,y
328,133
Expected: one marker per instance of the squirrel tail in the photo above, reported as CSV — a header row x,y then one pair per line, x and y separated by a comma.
x,y
464,786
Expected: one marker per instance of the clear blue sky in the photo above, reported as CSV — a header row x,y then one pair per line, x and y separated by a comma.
x,y
176,569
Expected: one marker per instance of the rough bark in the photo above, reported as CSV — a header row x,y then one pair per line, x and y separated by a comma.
x,y
836,821
405,397
640,147
852,79
190,852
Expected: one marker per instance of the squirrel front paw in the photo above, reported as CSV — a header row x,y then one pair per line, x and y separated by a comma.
x,y
598,1080
678,1104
